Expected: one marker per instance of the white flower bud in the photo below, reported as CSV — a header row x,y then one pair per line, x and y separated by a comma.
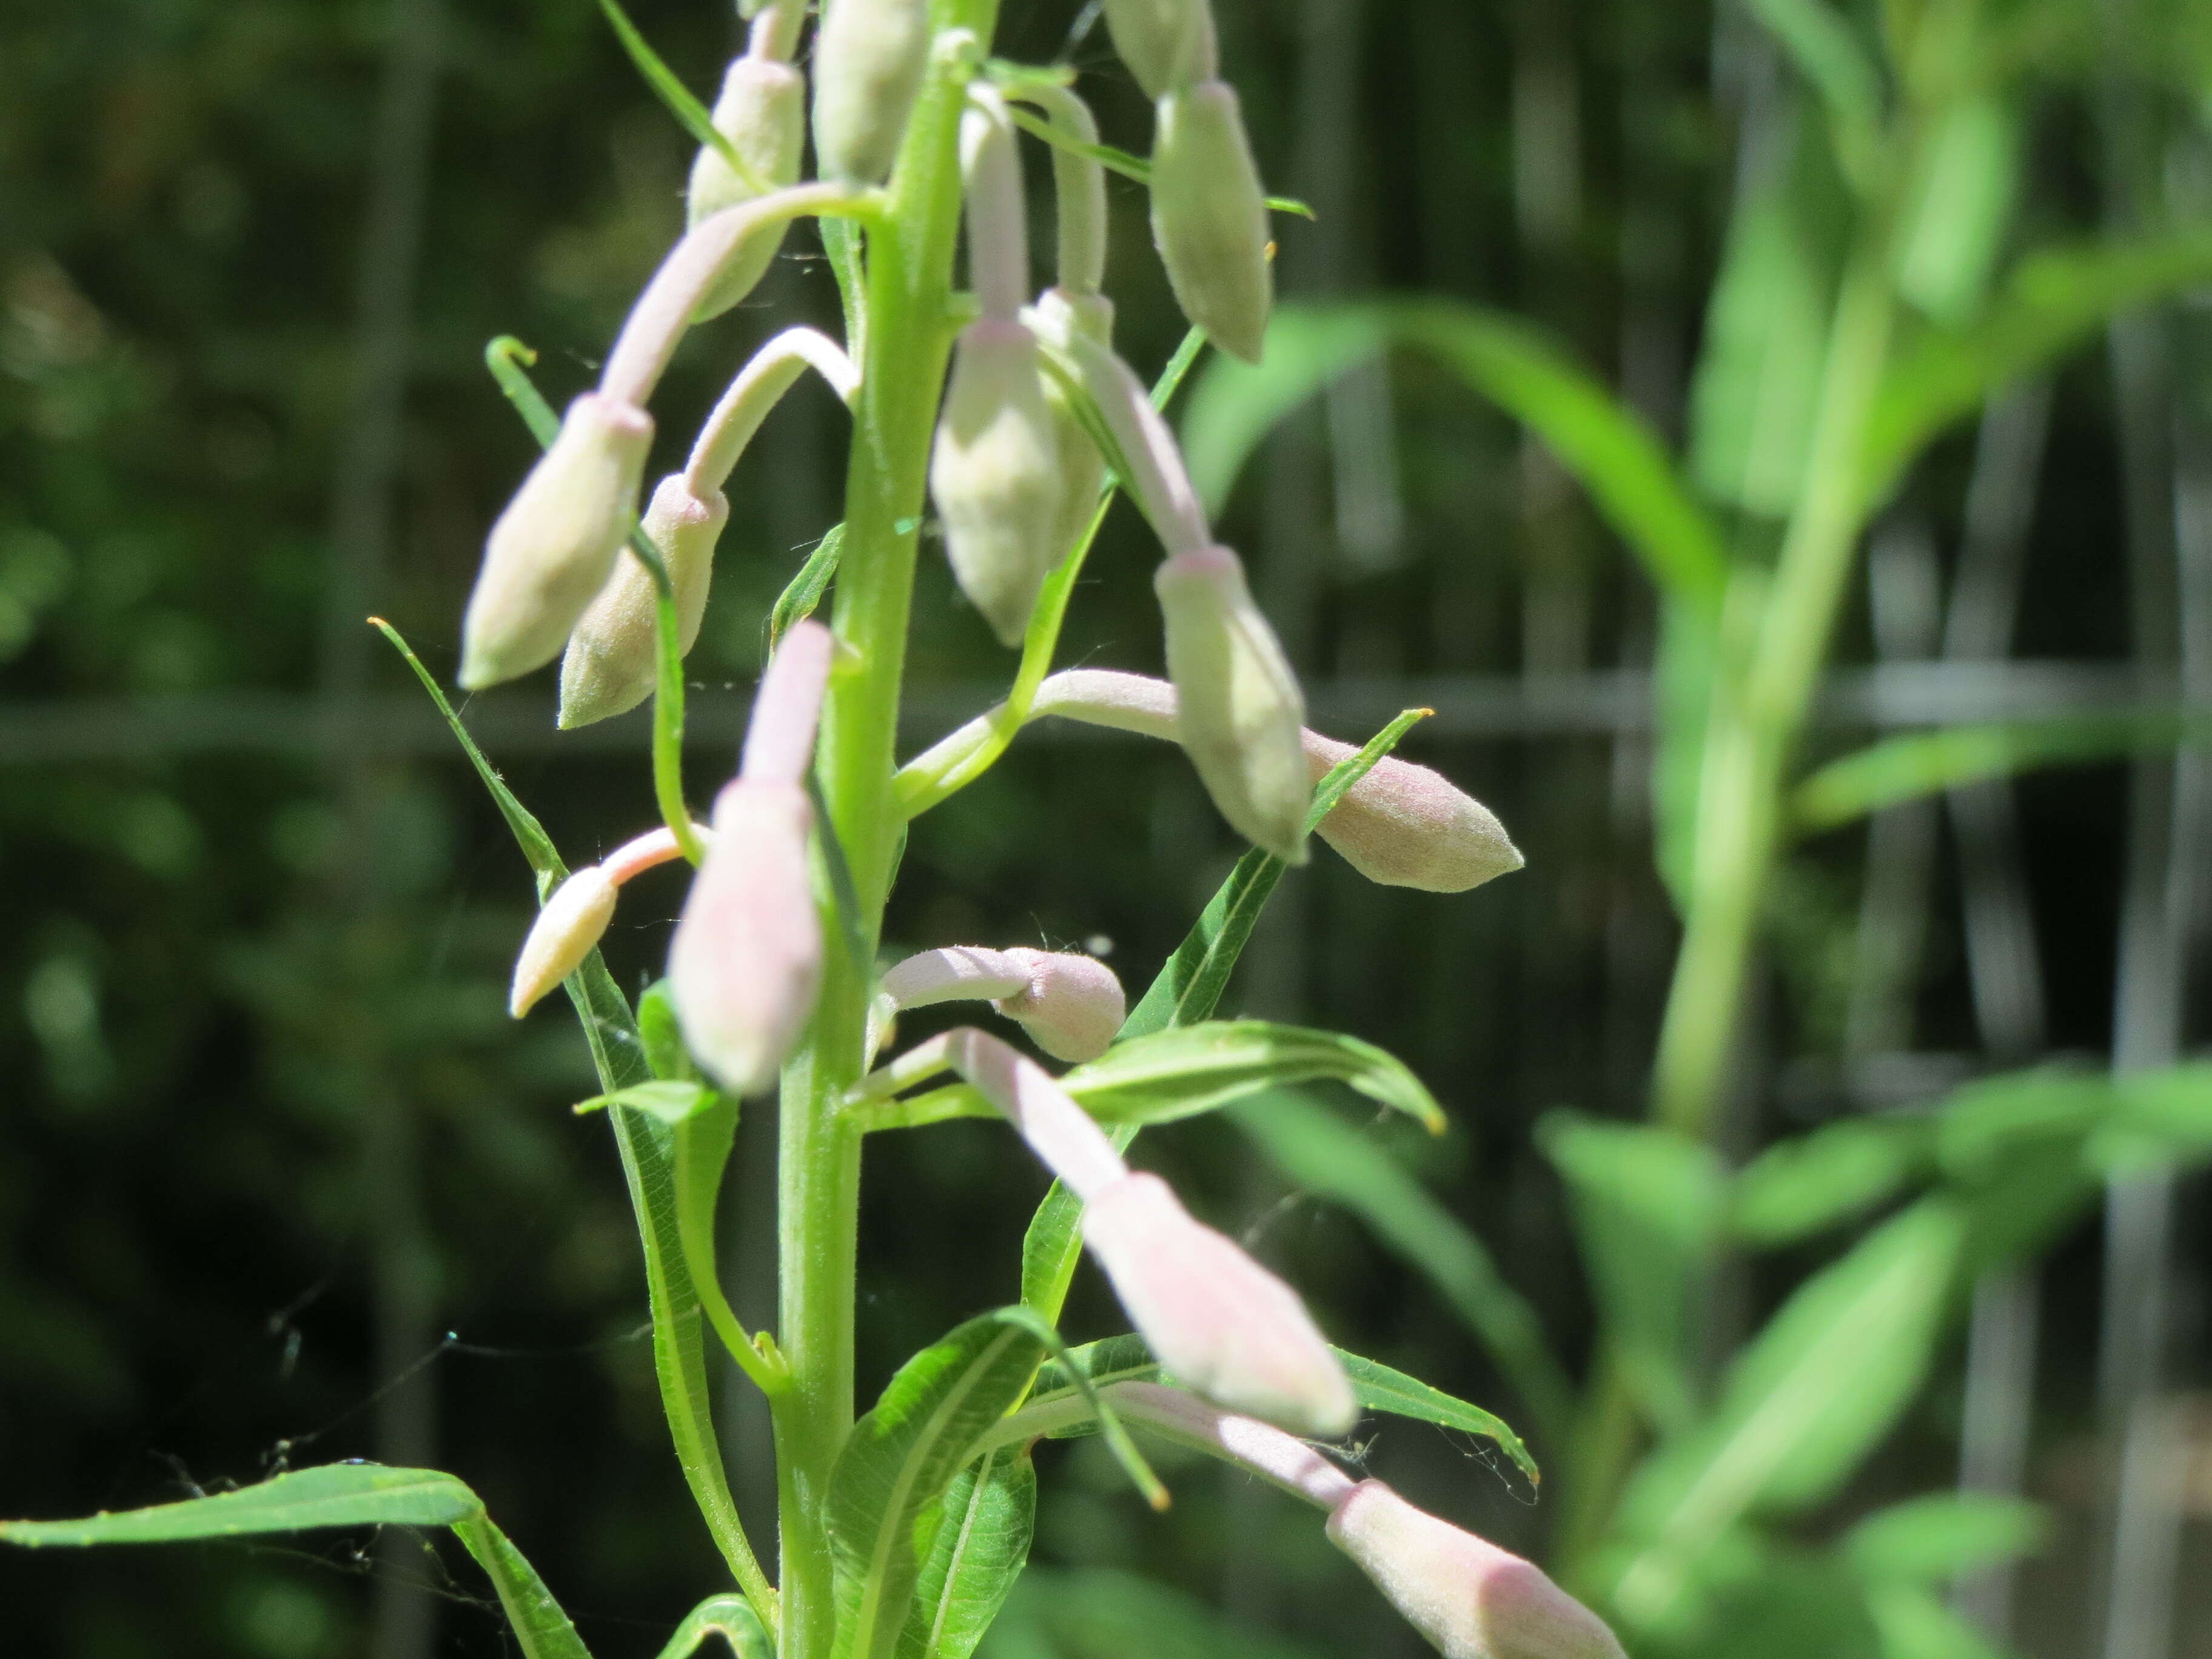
x,y
869,59
1210,217
571,920
1082,469
1220,1322
763,112
1472,1599
1403,825
1072,1006
608,669
994,474
1239,710
552,549
1166,43
745,965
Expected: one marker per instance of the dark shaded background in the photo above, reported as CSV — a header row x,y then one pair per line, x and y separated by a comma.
x,y
268,1137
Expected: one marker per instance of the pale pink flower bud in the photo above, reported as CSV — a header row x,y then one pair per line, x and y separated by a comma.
x,y
1210,217
552,549
763,112
1472,1599
1403,825
745,965
608,669
780,734
1072,1006
869,59
994,474
1165,43
1082,468
1220,1322
1240,712
570,923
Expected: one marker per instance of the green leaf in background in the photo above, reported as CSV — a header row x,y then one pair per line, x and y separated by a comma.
x,y
1188,986
689,113
1760,373
1838,1173
1187,1070
803,596
1934,1538
1607,446
980,1547
1922,764
2053,301
1804,1403
885,1502
1099,1613
729,1617
1684,680
338,1495
1649,1207
1828,52
1331,1160
1915,1623
1965,177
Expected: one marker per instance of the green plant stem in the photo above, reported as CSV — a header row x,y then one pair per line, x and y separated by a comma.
x,y
908,342
668,716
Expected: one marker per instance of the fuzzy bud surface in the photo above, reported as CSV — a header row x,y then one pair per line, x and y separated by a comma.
x,y
1210,217
994,474
869,59
1166,43
552,551
1404,825
1472,1599
1221,1322
608,669
572,920
1082,469
1240,712
1072,1006
763,112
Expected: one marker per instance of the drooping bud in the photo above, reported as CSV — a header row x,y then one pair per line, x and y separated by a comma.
x,y
608,669
1403,825
1082,469
552,551
570,924
1218,1320
1072,1006
1166,43
1210,216
1240,712
779,744
763,113
869,59
1472,1599
993,474
745,965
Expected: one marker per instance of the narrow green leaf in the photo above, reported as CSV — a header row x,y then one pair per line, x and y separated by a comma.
x,y
1608,448
1808,1183
1188,986
1915,1622
1330,1160
980,1547
803,596
1966,178
1804,1404
694,116
1120,160
1922,764
540,1625
727,1616
1829,54
844,896
1648,1206
672,1103
1933,1538
506,358
335,1495
1685,677
884,1504
1382,1389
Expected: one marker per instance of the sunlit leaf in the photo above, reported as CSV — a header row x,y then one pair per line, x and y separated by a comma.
x,y
803,596
1838,1173
980,1549
672,1103
1933,1538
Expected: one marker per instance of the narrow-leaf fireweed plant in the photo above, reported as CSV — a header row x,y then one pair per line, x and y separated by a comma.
x,y
901,1529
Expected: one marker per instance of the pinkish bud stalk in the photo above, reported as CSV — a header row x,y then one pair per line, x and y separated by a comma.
x,y
779,744
1280,1458
1218,1320
1240,711
1210,216
1165,43
746,963
998,221
993,473
1150,464
1472,1599
869,59
575,917
761,112
1078,188
758,387
609,666
553,548
1072,1006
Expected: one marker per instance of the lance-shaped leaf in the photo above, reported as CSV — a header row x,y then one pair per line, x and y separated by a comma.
x,y
338,1495
728,1617
1187,1070
981,1546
